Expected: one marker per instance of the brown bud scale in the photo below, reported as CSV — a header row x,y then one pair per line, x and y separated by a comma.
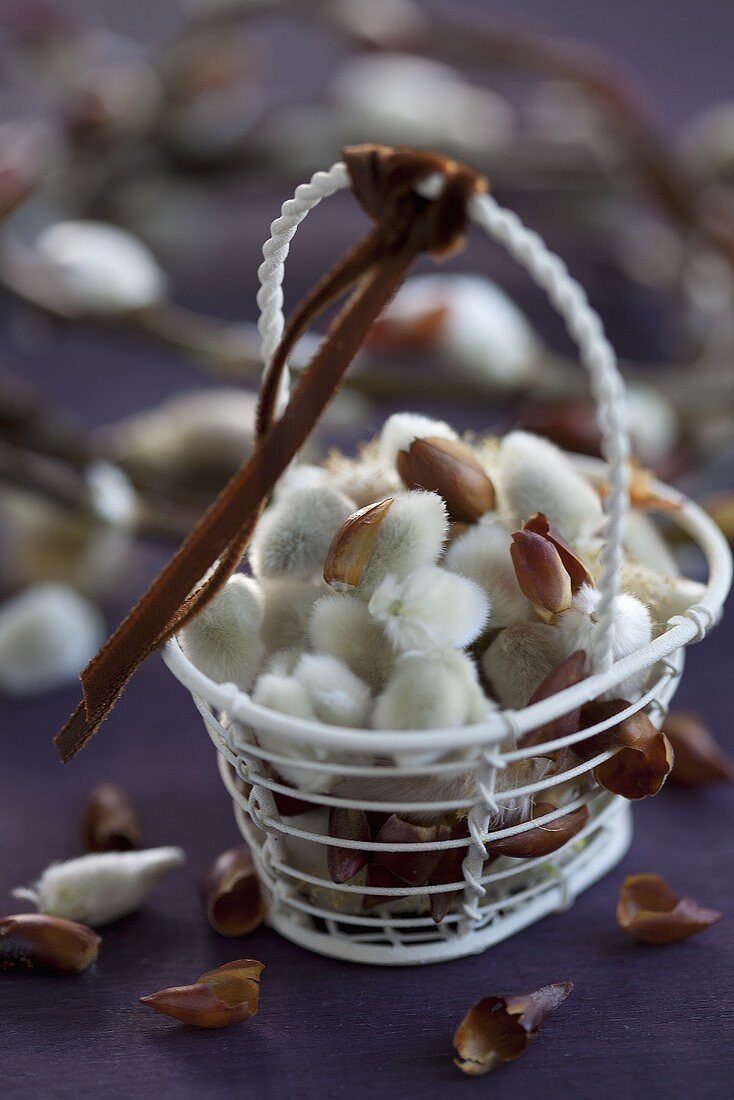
x,y
231,894
500,1028
649,911
353,543
110,822
449,468
38,942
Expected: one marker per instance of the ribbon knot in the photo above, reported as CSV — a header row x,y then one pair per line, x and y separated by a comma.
x,y
384,181
405,224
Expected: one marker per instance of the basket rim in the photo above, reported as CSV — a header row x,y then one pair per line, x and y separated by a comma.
x,y
681,630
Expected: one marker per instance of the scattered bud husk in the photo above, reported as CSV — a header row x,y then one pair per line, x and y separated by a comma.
x,y
499,1029
545,838
649,911
412,868
345,863
448,467
353,543
420,332
110,822
230,892
698,759
34,941
448,869
569,672
541,574
645,758
575,568
219,998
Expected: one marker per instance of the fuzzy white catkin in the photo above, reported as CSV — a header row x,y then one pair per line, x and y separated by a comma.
x,y
663,595
223,641
101,887
338,696
286,695
411,534
483,331
430,609
536,476
48,633
400,429
98,268
408,99
430,691
294,534
342,626
483,555
631,629
206,427
519,659
300,476
288,606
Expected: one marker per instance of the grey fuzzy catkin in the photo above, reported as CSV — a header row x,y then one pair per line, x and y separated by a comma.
x,y
483,555
430,691
401,429
519,659
342,626
103,886
293,536
286,695
536,476
48,633
338,696
288,606
411,534
223,640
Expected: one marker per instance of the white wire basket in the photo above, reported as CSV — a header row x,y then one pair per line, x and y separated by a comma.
x,y
491,900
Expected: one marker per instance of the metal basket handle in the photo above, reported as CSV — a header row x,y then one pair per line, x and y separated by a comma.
x,y
568,298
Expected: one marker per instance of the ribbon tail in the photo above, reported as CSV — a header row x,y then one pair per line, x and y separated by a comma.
x,y
79,729
171,600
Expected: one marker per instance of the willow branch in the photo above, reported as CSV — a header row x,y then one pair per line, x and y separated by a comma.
x,y
492,40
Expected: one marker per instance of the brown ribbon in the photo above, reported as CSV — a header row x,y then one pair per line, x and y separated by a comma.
x,y
384,181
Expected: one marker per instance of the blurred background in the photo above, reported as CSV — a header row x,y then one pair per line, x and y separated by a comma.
x,y
144,150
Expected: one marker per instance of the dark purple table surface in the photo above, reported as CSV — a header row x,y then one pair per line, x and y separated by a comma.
x,y
641,1022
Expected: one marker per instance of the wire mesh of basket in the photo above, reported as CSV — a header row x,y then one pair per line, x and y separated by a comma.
x,y
484,892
